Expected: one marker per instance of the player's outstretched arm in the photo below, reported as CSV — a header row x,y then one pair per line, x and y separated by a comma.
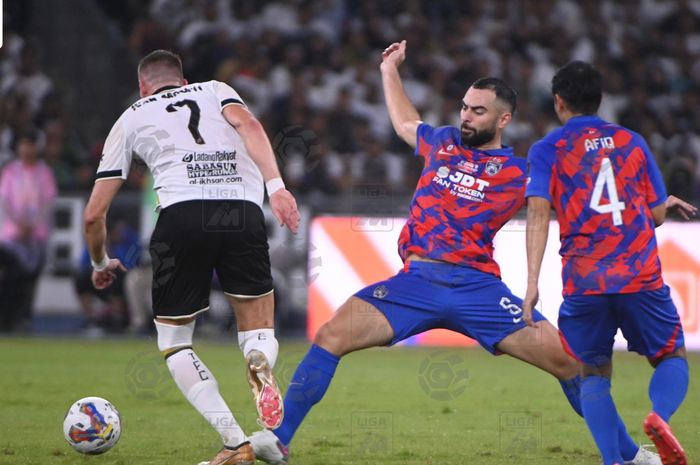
x,y
95,224
536,234
282,202
404,116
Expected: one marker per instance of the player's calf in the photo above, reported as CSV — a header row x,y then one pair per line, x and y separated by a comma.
x,y
196,382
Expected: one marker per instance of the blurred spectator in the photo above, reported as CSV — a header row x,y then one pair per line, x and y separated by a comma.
x,y
29,81
374,165
105,309
27,193
137,290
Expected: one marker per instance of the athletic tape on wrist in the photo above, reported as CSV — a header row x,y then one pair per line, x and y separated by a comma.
x,y
100,266
273,185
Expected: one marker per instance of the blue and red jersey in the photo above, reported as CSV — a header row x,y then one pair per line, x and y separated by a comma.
x,y
602,181
464,196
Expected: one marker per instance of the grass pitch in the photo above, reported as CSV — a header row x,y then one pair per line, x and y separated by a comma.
x,y
396,406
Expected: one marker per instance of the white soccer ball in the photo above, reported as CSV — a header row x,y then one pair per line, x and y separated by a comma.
x,y
92,426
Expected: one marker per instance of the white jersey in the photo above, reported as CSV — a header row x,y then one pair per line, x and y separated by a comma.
x,y
190,148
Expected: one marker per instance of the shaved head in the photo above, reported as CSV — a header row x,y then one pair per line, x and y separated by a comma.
x,y
160,66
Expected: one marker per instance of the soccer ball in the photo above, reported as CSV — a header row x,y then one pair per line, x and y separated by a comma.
x,y
92,426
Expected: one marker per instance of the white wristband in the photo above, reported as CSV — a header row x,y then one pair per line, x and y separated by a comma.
x,y
273,185
100,266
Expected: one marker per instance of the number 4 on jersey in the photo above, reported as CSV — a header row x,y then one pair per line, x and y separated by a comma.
x,y
606,178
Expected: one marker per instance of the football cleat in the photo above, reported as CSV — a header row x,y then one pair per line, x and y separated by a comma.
x,y
241,455
645,457
268,398
660,433
268,448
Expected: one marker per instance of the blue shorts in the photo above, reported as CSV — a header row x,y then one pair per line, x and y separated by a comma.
x,y
427,295
648,320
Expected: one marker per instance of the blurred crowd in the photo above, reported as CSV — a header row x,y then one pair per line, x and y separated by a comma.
x,y
309,70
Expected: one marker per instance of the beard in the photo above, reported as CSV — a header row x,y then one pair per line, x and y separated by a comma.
x,y
473,138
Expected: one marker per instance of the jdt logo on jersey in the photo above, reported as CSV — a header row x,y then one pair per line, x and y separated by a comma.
x,y
461,184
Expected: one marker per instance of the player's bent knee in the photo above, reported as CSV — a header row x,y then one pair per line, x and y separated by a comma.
x,y
174,337
567,367
330,338
654,361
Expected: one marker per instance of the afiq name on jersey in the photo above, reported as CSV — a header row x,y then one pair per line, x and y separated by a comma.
x,y
599,143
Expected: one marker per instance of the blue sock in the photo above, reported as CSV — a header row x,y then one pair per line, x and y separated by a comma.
x,y
307,387
572,391
628,448
601,417
668,386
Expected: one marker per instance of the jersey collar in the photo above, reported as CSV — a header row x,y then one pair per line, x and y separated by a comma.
x,y
583,119
168,87
504,151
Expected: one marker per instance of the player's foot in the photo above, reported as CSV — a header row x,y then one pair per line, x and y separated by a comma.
x,y
268,398
241,455
268,448
645,457
666,443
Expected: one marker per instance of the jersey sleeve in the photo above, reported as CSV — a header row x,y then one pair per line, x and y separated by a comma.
x,y
655,188
539,166
425,139
226,95
116,154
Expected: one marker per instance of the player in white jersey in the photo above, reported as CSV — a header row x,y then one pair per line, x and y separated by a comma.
x,y
209,157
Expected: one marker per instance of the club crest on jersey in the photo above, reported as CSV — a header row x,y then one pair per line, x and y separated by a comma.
x,y
493,166
380,292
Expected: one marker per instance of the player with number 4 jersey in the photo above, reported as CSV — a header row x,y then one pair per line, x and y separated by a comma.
x,y
608,195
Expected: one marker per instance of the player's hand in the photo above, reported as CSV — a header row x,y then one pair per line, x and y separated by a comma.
x,y
532,296
394,54
103,279
683,208
284,207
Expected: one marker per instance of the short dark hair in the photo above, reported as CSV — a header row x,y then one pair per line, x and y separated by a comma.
x,y
580,85
167,62
503,91
30,134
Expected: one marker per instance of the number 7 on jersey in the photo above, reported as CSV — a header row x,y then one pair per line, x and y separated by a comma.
x,y
606,179
193,124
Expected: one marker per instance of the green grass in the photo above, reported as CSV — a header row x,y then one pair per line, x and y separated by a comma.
x,y
376,411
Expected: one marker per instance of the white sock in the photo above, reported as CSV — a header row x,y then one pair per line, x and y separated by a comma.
x,y
262,339
200,387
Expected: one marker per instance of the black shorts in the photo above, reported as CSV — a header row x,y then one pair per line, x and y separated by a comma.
x,y
193,239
